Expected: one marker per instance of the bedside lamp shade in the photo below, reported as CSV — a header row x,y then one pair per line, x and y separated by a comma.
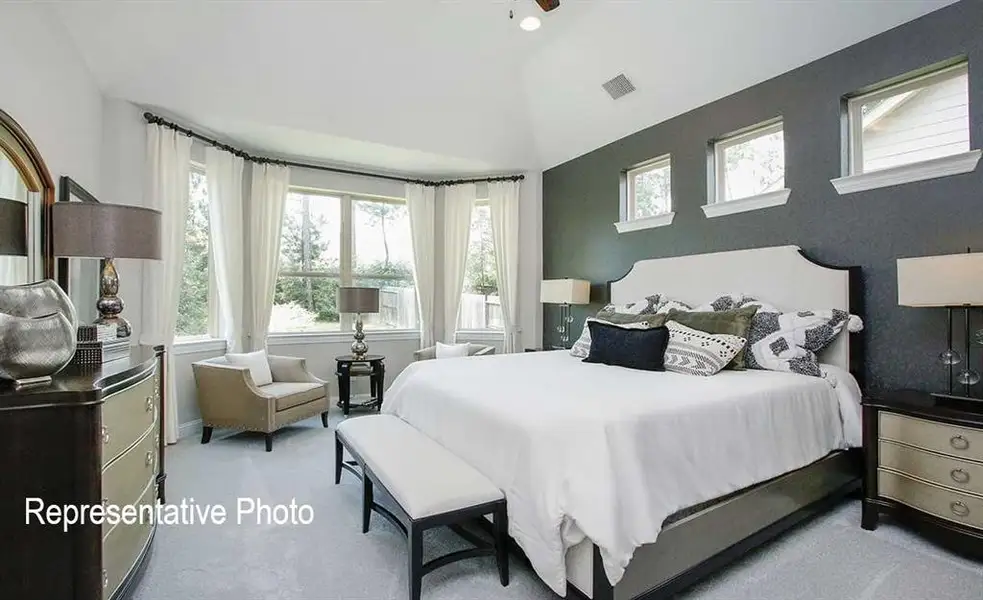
x,y
13,228
948,280
564,291
358,300
95,230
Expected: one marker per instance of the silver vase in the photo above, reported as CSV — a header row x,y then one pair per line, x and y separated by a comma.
x,y
37,300
37,331
32,349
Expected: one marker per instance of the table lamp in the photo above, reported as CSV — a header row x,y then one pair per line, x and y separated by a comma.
x,y
13,228
564,292
108,232
358,300
949,281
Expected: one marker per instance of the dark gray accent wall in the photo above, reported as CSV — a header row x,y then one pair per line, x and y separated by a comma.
x,y
868,229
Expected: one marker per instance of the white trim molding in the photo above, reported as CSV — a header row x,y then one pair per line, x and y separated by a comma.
x,y
198,346
964,162
730,207
645,222
189,429
340,337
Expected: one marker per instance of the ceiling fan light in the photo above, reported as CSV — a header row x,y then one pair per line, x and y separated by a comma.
x,y
530,23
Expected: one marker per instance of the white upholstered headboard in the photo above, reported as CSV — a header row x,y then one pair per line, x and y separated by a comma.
x,y
780,275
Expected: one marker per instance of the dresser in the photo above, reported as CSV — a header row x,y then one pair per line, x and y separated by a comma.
x,y
91,438
924,466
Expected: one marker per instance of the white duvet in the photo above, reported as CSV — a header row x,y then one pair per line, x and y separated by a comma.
x,y
608,453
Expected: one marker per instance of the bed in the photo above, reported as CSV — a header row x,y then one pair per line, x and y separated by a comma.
x,y
630,484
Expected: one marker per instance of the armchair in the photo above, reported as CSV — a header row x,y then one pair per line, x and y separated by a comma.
x,y
228,397
473,350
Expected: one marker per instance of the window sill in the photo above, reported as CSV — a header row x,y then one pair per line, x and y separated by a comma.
x,y
198,346
645,223
767,200
956,164
341,337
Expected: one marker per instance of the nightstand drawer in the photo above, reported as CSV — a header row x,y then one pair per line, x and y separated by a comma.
x,y
955,441
945,471
943,503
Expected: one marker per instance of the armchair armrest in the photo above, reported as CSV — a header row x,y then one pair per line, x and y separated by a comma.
x,y
485,351
228,397
425,354
291,370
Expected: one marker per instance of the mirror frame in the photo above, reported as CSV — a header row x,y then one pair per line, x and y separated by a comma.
x,y
19,147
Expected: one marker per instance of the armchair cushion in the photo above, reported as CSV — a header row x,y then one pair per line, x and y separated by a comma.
x,y
258,364
473,350
288,395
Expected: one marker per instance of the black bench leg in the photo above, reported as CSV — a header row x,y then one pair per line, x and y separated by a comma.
x,y
339,457
502,543
366,503
414,535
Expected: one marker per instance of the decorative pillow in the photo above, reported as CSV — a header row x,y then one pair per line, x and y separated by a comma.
x,y
650,305
451,350
788,341
581,347
257,363
694,352
628,346
736,322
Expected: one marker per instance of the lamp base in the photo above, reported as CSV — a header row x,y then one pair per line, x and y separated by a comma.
x,y
110,305
359,347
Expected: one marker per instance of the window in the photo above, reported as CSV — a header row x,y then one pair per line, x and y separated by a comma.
x,y
329,240
919,119
649,189
749,164
196,306
480,306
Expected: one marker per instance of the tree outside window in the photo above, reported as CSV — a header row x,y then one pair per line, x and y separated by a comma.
x,y
196,287
480,305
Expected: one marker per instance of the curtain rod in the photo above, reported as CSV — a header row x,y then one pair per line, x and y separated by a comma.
x,y
156,120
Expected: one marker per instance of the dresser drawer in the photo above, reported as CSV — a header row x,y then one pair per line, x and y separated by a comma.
x,y
946,504
123,544
125,416
960,442
125,479
949,472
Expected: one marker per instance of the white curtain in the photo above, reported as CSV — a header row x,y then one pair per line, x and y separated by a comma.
x,y
13,269
223,174
420,204
458,204
169,163
503,200
267,199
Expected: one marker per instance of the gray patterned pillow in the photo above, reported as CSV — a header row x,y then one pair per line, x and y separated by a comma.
x,y
788,342
650,305
694,352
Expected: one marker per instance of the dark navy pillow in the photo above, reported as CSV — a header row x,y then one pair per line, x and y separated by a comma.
x,y
643,349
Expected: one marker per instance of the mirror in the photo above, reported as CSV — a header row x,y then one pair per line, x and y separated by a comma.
x,y
82,273
26,188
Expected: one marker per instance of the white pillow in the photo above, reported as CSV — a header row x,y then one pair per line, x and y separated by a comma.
x,y
451,350
694,352
257,363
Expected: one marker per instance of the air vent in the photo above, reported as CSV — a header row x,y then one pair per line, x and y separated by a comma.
x,y
618,87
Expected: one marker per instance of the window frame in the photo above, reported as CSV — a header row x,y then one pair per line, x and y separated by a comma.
x,y
213,320
717,204
660,162
346,266
906,85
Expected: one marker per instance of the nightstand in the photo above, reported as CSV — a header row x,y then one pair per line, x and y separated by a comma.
x,y
924,466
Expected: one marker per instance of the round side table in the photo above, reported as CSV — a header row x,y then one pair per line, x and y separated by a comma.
x,y
372,366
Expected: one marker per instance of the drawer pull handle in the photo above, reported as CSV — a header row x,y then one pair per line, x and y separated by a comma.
x,y
959,476
150,404
105,435
105,502
150,458
105,578
959,509
959,442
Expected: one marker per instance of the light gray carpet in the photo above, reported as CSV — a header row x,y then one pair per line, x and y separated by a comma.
x,y
829,558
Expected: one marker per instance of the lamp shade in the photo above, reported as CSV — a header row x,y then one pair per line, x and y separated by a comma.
x,y
948,280
564,291
358,300
96,230
13,228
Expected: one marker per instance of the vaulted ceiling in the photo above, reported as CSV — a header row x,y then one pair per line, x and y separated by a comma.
x,y
447,87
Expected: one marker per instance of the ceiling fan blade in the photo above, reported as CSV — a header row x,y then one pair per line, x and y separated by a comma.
x,y
548,5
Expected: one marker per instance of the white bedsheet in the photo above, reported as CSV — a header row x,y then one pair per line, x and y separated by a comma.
x,y
608,453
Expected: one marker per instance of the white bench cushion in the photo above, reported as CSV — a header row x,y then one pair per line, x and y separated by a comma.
x,y
422,476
